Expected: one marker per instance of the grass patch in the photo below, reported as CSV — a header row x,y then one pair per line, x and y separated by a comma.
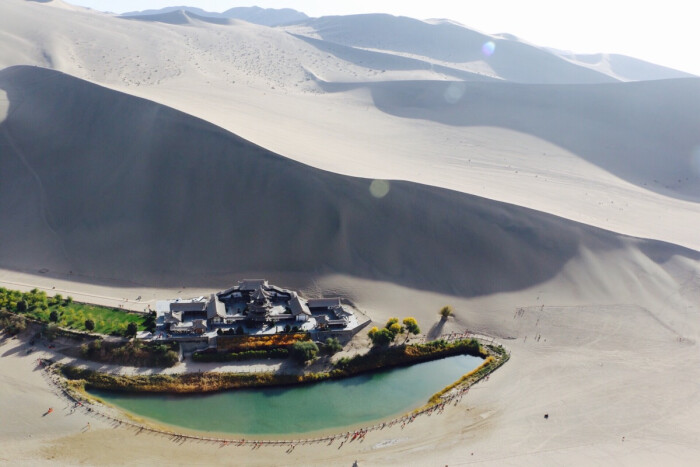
x,y
70,314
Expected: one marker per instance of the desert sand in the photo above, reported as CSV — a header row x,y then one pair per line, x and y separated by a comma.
x,y
550,201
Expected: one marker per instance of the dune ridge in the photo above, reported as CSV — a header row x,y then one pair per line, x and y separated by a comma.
x,y
263,84
184,200
642,132
254,14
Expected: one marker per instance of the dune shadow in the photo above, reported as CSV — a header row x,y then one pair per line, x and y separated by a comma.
x,y
443,41
642,132
436,329
17,349
262,212
386,61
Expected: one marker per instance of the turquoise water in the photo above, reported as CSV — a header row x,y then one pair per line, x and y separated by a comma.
x,y
300,409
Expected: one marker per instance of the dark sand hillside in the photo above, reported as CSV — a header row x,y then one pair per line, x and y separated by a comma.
x,y
111,186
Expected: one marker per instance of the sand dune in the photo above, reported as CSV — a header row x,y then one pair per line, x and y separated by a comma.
x,y
644,133
261,84
254,14
387,61
622,67
179,17
511,60
144,191
265,16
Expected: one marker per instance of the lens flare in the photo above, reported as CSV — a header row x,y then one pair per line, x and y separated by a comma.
x,y
454,92
488,48
379,188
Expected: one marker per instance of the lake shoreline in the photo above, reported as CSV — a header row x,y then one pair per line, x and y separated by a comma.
x,y
118,416
209,382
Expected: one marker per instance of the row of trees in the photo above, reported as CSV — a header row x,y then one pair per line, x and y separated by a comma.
x,y
392,329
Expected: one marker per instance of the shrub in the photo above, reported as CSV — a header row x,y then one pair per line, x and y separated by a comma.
x,y
303,351
267,341
89,324
53,317
131,330
383,337
170,358
372,332
332,346
13,325
50,331
395,329
150,321
136,353
22,306
446,311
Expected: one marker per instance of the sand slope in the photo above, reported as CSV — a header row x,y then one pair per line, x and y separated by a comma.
x,y
644,133
623,67
121,186
512,60
261,83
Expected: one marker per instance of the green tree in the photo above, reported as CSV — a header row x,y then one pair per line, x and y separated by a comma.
x,y
149,321
411,325
333,346
131,330
89,325
22,306
446,311
382,337
303,351
391,322
373,332
53,316
393,327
